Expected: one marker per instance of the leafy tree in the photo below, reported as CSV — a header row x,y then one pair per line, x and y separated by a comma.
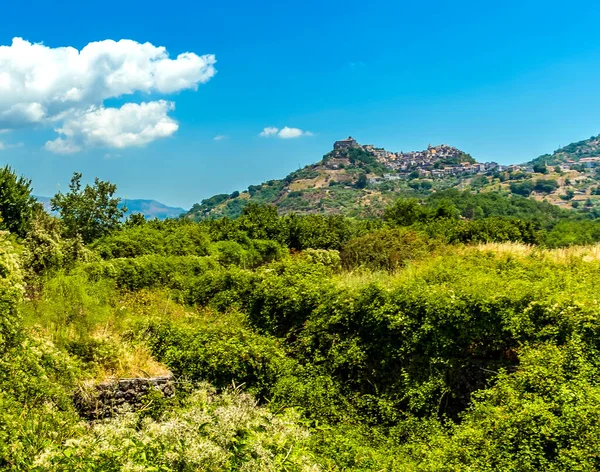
x,y
540,168
545,185
135,219
524,189
260,221
90,212
361,182
16,202
405,212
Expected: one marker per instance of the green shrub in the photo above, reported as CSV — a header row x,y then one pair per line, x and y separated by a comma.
x,y
222,353
209,432
163,239
150,271
386,249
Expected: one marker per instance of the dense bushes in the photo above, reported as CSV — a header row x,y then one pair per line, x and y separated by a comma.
x,y
208,432
164,239
35,408
387,249
150,271
11,290
544,416
492,229
404,343
222,353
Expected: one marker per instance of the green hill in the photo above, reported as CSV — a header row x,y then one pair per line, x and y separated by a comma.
x,y
587,148
361,180
352,182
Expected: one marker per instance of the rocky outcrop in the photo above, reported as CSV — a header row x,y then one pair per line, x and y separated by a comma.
x,y
109,398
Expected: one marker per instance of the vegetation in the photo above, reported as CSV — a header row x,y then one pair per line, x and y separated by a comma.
x,y
90,212
456,331
16,203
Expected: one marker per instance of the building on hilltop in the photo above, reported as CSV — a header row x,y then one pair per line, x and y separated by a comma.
x,y
345,144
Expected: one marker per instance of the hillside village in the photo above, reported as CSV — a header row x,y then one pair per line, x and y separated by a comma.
x,y
357,179
435,161
443,160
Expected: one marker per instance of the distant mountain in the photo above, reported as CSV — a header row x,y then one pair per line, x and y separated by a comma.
x,y
151,209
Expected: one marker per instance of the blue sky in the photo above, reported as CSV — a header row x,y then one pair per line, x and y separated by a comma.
x,y
505,81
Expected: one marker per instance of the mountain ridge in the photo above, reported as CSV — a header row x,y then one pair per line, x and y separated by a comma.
x,y
149,208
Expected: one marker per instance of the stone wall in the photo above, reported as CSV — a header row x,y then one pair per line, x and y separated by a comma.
x,y
108,398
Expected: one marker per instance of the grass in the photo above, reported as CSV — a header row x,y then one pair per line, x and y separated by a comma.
x,y
565,255
93,322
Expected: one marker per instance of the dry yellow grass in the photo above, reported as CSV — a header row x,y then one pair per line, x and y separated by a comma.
x,y
134,361
586,253
360,277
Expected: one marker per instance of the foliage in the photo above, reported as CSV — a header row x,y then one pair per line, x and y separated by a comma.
x,y
16,202
441,335
166,238
386,249
91,212
208,432
524,189
46,251
545,185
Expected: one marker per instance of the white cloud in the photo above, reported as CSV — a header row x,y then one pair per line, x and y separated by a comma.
x,y
4,146
268,131
131,125
40,85
284,133
288,133
219,137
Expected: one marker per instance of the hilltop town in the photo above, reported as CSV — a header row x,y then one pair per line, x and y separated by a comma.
x,y
443,160
361,179
435,161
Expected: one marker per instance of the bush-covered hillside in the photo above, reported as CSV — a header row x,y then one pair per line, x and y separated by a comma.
x,y
585,148
457,332
354,183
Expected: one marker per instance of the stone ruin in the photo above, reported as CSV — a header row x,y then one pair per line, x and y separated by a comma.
x,y
108,398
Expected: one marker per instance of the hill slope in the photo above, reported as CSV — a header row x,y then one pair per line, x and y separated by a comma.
x,y
361,180
573,153
356,181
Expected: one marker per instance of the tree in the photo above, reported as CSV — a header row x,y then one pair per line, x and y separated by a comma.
x,y
405,212
523,189
361,182
91,212
16,202
545,185
540,168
